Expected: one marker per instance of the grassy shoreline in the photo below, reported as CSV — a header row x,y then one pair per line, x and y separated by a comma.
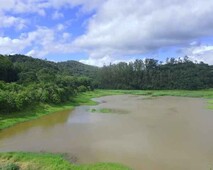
x,y
85,99
48,161
31,113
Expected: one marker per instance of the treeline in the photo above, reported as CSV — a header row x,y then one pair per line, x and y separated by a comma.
x,y
25,81
153,74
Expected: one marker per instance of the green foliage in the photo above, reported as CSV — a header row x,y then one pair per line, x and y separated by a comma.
x,y
78,69
9,166
38,81
153,75
82,89
7,70
45,161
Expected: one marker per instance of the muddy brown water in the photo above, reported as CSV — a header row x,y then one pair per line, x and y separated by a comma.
x,y
163,133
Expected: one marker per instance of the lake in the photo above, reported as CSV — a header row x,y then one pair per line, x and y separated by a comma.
x,y
143,133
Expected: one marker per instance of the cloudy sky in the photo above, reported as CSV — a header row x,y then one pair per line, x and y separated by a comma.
x,y
98,32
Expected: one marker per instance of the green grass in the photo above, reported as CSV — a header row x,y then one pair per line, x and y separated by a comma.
x,y
45,161
9,120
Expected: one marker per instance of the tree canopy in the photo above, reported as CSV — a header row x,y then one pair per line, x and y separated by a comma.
x,y
153,74
26,81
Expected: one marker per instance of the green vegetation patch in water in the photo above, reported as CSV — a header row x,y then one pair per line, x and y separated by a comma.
x,y
102,110
108,111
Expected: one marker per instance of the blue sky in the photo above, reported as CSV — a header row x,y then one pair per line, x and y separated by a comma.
x,y
100,32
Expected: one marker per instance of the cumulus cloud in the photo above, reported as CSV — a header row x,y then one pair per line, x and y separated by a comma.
x,y
41,42
200,53
9,46
11,21
138,26
86,5
116,29
39,6
106,60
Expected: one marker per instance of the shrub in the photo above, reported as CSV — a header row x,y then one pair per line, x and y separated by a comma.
x,y
10,166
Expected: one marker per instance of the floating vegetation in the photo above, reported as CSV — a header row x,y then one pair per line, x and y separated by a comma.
x,y
108,110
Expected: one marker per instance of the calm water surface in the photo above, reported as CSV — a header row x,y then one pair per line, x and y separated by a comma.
x,y
163,133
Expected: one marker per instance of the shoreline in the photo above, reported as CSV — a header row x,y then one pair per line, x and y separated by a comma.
x,y
85,98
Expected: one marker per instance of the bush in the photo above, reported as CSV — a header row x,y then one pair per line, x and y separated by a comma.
x,y
82,89
10,166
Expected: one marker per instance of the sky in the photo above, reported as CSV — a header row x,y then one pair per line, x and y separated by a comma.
x,y
99,32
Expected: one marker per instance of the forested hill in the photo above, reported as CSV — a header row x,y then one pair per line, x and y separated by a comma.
x,y
26,81
78,69
28,69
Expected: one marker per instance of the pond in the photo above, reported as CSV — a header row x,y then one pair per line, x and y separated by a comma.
x,y
143,133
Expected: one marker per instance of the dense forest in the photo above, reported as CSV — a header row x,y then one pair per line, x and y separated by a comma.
x,y
26,81
154,75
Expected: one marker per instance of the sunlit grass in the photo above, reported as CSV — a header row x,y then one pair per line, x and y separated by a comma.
x,y
45,161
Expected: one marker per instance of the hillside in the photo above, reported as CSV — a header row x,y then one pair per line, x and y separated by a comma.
x,y
78,69
24,68
27,82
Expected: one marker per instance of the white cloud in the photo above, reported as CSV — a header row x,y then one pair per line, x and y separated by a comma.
x,y
202,53
116,29
57,15
106,60
41,42
10,21
9,9
141,26
60,27
39,6
66,36
86,5
8,45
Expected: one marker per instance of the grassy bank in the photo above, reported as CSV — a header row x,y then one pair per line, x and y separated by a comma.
x,y
85,99
44,161
31,113
8,120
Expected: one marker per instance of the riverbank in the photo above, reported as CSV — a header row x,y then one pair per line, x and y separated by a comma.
x,y
85,99
8,120
45,161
